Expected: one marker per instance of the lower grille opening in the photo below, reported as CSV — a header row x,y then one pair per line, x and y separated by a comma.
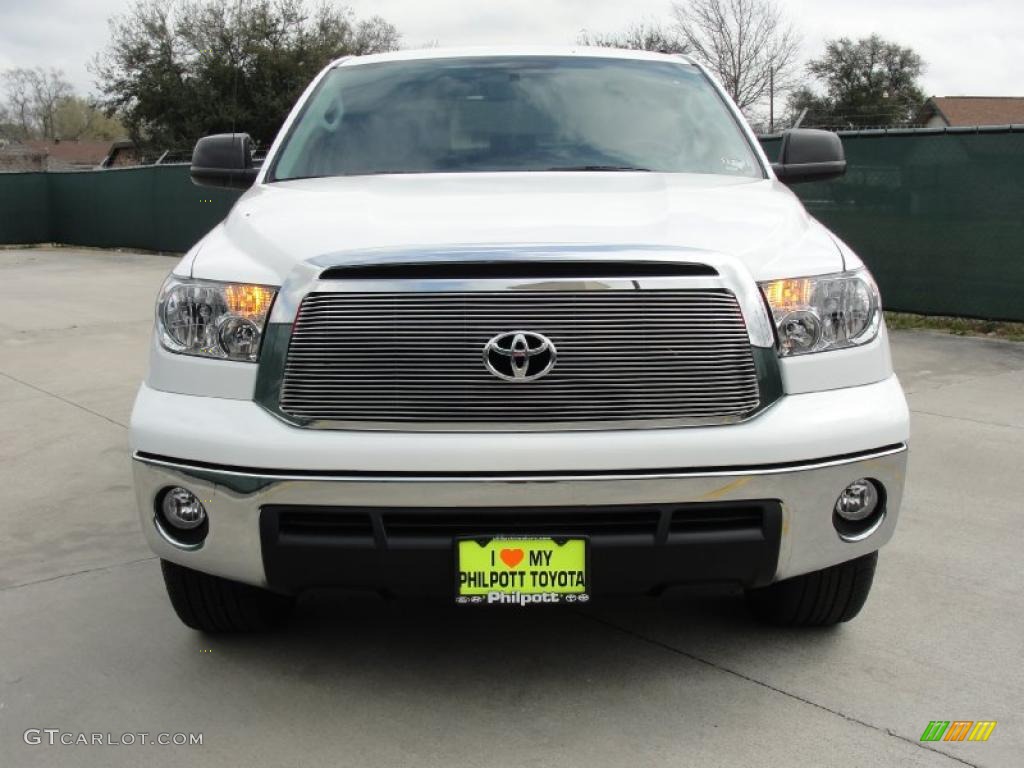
x,y
634,549
328,522
697,519
445,524
546,522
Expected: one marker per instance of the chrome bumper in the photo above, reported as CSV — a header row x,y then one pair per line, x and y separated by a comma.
x,y
233,498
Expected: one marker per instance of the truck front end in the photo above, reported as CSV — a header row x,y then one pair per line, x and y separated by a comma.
x,y
523,384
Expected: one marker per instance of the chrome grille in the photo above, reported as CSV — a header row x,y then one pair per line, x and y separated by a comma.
x,y
623,355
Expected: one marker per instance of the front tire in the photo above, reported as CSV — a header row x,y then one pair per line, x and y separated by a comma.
x,y
211,604
817,599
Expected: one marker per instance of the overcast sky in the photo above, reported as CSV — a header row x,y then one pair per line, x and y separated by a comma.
x,y
972,47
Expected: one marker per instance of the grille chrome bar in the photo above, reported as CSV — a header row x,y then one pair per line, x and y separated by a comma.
x,y
375,360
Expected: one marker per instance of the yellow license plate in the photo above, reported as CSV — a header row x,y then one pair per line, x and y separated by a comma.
x,y
521,571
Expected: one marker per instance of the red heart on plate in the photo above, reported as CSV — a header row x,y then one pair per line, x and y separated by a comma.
x,y
512,557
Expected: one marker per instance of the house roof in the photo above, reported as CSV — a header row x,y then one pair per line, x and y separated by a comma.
x,y
72,151
978,110
20,150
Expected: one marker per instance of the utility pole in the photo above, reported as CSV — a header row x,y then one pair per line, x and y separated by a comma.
x,y
771,100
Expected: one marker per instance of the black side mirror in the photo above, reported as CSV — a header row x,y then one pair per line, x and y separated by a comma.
x,y
224,160
809,155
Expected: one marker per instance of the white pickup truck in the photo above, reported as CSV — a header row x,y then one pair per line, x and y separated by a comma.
x,y
518,328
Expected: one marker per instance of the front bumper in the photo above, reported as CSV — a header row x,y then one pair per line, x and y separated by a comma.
x,y
247,465
795,535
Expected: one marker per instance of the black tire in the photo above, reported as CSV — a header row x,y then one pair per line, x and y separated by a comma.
x,y
215,605
817,599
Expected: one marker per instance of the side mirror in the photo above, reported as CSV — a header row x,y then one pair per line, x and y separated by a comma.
x,y
224,160
809,155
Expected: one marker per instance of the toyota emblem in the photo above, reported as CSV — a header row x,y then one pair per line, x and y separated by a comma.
x,y
520,355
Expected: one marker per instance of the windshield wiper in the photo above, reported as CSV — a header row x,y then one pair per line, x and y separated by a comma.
x,y
596,168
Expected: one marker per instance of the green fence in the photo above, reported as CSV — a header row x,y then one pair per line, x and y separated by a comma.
x,y
937,215
152,207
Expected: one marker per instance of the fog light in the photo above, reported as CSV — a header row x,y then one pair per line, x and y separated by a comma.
x,y
182,509
858,501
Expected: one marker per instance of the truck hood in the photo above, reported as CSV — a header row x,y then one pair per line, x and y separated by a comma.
x,y
274,226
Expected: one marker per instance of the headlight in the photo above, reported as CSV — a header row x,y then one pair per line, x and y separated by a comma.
x,y
210,319
818,314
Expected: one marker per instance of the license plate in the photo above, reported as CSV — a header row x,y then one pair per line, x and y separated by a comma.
x,y
521,571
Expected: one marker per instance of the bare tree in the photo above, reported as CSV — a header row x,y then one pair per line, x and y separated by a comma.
x,y
19,100
33,96
643,37
748,44
49,88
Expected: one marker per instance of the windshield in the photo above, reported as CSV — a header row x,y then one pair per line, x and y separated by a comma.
x,y
525,113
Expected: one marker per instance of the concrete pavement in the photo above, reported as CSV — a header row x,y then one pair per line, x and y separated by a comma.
x,y
89,643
